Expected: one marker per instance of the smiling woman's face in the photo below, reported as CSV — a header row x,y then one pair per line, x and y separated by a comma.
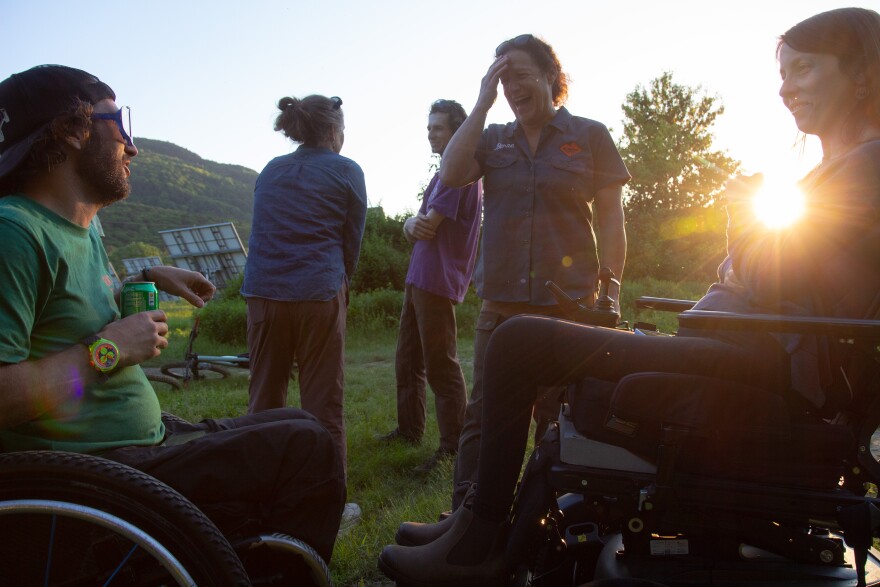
x,y
815,90
528,90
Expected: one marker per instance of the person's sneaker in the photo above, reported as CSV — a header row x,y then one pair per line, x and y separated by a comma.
x,y
440,455
351,515
396,435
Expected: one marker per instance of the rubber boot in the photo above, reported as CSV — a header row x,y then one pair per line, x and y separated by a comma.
x,y
417,534
450,560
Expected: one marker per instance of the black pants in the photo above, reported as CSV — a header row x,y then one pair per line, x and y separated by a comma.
x,y
278,470
528,352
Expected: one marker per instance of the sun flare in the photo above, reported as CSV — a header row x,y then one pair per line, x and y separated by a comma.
x,y
779,204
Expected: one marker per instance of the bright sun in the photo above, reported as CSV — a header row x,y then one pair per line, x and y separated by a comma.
x,y
778,203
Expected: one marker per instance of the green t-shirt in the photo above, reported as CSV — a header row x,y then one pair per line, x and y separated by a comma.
x,y
56,290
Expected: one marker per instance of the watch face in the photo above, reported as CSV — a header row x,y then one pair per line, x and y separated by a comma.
x,y
104,355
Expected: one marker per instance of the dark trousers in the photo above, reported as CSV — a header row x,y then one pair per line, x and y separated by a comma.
x,y
546,404
312,333
427,351
278,467
530,351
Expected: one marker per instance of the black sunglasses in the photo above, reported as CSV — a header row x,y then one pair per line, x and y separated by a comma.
x,y
337,102
516,42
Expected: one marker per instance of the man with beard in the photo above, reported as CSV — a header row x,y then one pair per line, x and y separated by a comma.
x,y
444,236
70,375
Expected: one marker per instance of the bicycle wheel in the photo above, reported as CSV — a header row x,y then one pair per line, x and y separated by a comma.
x,y
204,370
173,382
71,519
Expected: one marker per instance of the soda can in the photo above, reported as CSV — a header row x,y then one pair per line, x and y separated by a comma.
x,y
139,296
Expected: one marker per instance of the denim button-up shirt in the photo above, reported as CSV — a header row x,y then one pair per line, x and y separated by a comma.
x,y
309,212
537,216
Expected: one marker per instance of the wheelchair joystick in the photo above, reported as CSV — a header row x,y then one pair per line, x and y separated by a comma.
x,y
602,313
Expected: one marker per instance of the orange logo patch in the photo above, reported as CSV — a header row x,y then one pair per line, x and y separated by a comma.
x,y
570,149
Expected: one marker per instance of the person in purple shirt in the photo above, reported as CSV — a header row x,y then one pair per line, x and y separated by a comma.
x,y
444,235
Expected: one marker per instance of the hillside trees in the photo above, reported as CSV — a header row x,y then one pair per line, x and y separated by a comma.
x,y
675,228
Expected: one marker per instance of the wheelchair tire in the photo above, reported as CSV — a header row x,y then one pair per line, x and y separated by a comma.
x,y
288,560
82,551
206,371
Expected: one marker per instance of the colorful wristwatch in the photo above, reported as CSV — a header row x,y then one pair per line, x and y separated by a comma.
x,y
103,355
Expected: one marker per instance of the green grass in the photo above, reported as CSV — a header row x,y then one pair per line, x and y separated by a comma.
x,y
381,480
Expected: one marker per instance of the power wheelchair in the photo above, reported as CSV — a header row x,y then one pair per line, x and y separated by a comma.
x,y
70,519
677,480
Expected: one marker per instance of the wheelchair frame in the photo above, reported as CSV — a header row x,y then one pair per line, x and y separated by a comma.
x,y
574,523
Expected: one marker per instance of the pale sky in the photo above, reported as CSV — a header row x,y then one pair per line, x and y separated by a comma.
x,y
207,75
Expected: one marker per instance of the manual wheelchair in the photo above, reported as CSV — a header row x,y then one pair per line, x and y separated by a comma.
x,y
675,480
80,520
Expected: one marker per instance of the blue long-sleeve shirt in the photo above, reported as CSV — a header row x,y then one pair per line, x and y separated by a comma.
x,y
309,212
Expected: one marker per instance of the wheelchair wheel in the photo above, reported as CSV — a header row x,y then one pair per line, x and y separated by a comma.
x,y
279,559
71,519
205,371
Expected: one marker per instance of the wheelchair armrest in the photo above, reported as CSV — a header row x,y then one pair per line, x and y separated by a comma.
x,y
839,327
664,304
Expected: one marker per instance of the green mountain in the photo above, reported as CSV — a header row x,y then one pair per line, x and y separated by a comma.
x,y
175,188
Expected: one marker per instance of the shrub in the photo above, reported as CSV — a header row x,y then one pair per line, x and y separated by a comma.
x,y
381,266
375,310
225,320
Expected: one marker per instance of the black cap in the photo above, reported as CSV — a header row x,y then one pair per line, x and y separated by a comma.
x,y
31,99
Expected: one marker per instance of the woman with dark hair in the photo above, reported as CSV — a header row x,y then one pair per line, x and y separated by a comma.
x,y
309,213
549,179
823,265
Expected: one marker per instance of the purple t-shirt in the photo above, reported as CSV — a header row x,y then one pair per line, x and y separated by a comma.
x,y
444,265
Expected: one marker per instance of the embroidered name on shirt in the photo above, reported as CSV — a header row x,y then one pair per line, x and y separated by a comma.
x,y
500,146
570,149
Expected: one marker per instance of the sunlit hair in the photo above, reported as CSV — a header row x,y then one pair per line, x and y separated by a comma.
x,y
853,36
546,60
453,109
48,149
310,120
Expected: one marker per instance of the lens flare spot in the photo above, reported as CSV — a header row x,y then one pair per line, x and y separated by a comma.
x,y
779,204
566,261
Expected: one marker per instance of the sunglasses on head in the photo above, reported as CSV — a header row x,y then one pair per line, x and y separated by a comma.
x,y
337,102
516,42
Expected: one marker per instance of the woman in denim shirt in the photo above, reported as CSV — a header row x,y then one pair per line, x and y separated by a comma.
x,y
549,179
309,213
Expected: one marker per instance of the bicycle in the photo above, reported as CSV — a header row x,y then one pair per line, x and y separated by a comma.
x,y
199,367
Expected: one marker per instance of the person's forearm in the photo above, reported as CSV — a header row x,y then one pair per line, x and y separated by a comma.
x,y
612,254
458,166
611,233
32,388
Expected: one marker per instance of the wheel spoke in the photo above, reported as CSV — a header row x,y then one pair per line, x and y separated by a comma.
x,y
51,549
121,565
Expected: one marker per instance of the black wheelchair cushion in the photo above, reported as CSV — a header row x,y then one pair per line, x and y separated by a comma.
x,y
730,430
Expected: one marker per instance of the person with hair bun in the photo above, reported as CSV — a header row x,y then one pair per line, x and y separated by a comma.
x,y
549,179
309,213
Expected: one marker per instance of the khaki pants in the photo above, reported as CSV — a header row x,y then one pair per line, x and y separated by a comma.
x,y
313,334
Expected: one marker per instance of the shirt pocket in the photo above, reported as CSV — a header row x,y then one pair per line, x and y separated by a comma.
x,y
571,175
500,159
579,165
